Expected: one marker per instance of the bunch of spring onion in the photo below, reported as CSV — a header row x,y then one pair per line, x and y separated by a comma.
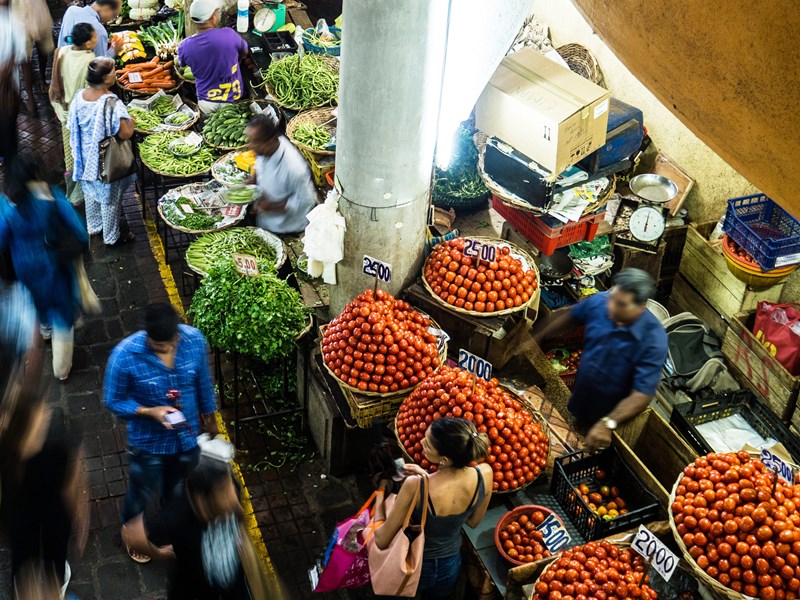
x,y
164,37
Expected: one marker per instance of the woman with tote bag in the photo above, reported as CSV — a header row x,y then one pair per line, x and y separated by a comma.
x,y
417,549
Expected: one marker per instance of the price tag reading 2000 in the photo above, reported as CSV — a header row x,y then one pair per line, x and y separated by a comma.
x,y
475,364
376,268
651,548
476,249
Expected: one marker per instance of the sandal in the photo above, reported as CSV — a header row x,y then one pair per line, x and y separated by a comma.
x,y
138,557
123,239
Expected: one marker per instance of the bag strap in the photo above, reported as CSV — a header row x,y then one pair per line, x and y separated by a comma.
x,y
424,483
413,505
107,121
366,504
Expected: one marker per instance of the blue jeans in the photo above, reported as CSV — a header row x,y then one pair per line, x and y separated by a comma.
x,y
151,474
439,577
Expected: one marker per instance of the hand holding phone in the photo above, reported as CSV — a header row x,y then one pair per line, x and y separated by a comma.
x,y
175,418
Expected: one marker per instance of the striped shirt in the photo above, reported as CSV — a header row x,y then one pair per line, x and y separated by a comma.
x,y
135,377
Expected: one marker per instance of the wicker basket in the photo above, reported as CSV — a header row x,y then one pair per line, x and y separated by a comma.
x,y
404,392
535,415
188,190
366,410
318,116
220,161
582,62
507,311
178,84
269,238
180,76
332,62
182,127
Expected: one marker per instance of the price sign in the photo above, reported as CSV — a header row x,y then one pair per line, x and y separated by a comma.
x,y
475,364
232,210
476,249
134,77
187,209
555,535
651,548
376,268
246,264
778,466
193,139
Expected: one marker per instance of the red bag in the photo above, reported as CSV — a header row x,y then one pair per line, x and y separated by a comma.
x,y
777,327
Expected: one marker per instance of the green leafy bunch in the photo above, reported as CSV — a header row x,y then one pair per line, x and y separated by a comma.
x,y
257,316
460,181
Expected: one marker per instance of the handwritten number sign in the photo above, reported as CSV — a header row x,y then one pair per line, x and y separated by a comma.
x,y
476,249
376,268
555,536
652,549
475,364
777,466
246,264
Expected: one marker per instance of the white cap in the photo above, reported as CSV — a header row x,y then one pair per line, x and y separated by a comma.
x,y
216,448
202,10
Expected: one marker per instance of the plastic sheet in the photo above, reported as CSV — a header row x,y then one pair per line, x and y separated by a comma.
x,y
731,434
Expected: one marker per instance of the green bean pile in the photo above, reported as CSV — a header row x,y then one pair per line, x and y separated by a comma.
x,y
155,153
312,135
212,248
183,149
303,83
162,106
145,119
178,118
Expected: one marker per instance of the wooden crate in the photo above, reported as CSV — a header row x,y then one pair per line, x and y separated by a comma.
x,y
704,267
655,451
684,298
757,369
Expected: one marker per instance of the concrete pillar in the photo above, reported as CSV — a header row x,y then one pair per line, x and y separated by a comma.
x,y
392,61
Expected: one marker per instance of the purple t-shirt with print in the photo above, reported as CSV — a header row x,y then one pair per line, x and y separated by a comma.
x,y
213,57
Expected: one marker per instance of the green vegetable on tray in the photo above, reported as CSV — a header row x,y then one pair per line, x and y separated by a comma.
x,y
307,82
156,155
258,316
460,185
312,135
178,118
145,119
183,149
195,219
162,106
225,127
210,249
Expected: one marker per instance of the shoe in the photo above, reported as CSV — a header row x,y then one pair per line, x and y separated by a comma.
x,y
142,559
123,239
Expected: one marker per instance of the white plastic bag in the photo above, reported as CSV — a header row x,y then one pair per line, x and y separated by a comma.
x,y
323,242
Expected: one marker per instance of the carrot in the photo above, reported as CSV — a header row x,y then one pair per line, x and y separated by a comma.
x,y
137,67
124,78
165,85
155,60
137,86
153,72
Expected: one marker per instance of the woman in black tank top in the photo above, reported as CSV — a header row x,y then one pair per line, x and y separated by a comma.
x,y
459,494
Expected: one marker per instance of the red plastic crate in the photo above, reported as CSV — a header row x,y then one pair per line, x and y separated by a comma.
x,y
548,239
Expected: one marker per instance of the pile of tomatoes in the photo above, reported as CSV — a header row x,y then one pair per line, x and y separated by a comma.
x,y
607,501
380,344
739,252
518,446
520,539
595,570
461,281
737,529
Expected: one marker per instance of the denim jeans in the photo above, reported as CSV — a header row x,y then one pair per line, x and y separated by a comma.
x,y
439,577
151,474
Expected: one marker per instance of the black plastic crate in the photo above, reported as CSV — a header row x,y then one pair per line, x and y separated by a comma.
x,y
571,470
685,418
279,41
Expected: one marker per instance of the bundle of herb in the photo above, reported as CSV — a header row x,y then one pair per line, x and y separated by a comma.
x,y
460,185
258,316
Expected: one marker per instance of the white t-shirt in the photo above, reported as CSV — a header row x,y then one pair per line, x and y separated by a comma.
x,y
13,43
285,176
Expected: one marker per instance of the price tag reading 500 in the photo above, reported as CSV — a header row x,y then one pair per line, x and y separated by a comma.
x,y
651,548
475,364
246,264
376,268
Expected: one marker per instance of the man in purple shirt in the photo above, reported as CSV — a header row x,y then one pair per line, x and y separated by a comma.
x,y
213,55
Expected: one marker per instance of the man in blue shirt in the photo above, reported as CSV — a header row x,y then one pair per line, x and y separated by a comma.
x,y
624,351
96,14
159,381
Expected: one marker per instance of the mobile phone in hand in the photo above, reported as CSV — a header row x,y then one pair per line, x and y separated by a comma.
x,y
175,418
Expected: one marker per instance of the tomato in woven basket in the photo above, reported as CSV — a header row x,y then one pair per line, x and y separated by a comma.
x,y
478,286
518,444
380,344
595,570
739,525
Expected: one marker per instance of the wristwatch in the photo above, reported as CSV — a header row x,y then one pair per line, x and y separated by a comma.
x,y
609,424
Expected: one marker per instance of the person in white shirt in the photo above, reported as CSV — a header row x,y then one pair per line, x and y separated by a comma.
x,y
283,177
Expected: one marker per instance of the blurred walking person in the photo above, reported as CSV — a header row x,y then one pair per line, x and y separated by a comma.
x,y
95,114
70,66
38,24
12,55
158,380
96,14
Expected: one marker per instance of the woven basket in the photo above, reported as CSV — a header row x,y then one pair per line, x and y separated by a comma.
x,y
316,116
188,190
404,392
173,175
535,415
331,62
269,238
366,410
220,161
717,588
182,127
169,91
582,62
180,76
305,329
498,313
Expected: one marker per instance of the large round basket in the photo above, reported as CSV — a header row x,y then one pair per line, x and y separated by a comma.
x,y
173,175
332,62
322,117
222,161
717,588
270,239
189,190
527,407
581,61
515,252
403,392
182,127
192,231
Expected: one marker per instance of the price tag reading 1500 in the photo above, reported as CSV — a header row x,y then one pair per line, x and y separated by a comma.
x,y
555,536
376,268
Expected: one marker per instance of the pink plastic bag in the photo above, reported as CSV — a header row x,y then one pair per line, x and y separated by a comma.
x,y
348,564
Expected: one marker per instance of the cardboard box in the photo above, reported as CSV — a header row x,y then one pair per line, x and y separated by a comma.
x,y
545,111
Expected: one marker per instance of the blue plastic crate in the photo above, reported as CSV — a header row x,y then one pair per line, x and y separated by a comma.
x,y
762,228
330,50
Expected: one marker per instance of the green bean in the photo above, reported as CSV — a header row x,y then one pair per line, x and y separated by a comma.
x,y
312,135
145,119
303,83
155,153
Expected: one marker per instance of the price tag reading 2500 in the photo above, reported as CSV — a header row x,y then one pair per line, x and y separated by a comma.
x,y
376,268
476,249
475,364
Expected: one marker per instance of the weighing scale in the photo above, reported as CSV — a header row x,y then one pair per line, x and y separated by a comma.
x,y
641,221
269,18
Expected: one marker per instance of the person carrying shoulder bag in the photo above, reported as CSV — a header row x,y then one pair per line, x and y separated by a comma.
x,y
428,512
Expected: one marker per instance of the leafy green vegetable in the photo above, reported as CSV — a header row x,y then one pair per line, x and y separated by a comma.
x,y
257,316
460,185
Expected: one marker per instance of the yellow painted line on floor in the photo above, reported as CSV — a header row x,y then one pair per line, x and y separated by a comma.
x,y
175,299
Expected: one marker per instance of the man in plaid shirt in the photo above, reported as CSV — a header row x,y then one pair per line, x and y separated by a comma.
x,y
158,380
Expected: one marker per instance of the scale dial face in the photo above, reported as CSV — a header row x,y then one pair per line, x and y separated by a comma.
x,y
264,19
647,224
